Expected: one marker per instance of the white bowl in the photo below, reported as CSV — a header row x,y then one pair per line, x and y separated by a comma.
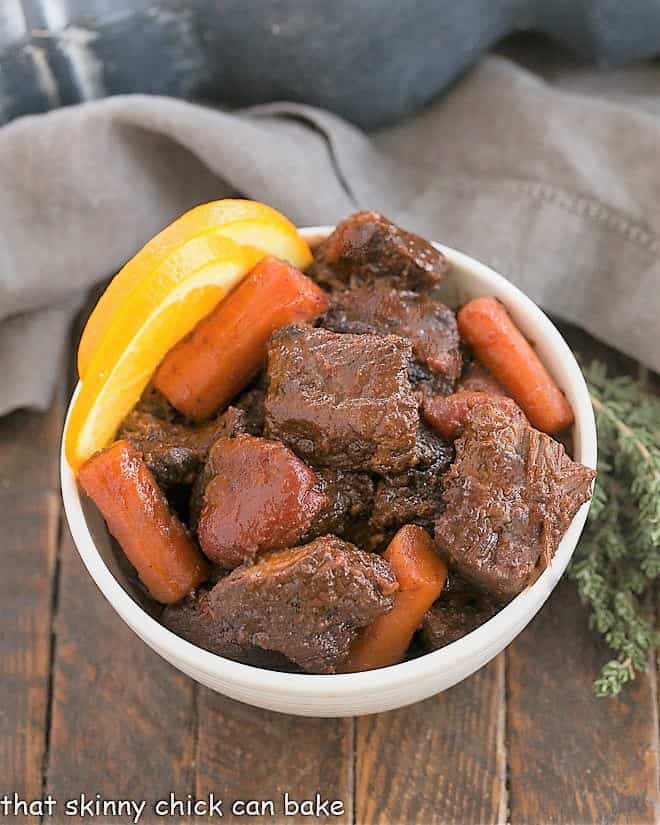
x,y
379,690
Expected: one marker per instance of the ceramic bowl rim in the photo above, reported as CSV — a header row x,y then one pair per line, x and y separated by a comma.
x,y
335,687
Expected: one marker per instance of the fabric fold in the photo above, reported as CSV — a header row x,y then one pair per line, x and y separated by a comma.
x,y
556,189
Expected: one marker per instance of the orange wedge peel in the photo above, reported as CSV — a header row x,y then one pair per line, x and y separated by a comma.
x,y
152,304
244,221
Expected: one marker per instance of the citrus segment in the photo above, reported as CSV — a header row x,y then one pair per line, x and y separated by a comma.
x,y
245,221
135,343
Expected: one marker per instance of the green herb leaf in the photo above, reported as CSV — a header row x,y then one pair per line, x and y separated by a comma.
x,y
618,558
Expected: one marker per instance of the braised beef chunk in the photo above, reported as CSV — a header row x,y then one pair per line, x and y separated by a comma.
x,y
510,495
349,497
342,400
231,423
237,421
478,378
251,402
447,413
459,610
367,247
258,496
307,603
427,323
173,452
197,496
193,620
413,497
155,403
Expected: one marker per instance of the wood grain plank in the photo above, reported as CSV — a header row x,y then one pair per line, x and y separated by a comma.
x,y
439,761
247,753
572,757
123,720
29,539
30,516
29,448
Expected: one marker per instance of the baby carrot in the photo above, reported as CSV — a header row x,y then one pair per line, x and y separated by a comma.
x,y
421,575
217,359
485,325
138,516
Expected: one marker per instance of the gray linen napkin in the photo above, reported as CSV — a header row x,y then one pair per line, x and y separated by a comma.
x,y
558,189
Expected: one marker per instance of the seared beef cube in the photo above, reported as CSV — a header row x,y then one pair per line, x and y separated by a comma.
x,y
478,378
367,247
193,620
197,496
342,400
349,496
447,413
427,323
231,423
459,610
237,421
413,497
307,603
173,452
360,533
510,495
251,402
433,451
258,496
156,404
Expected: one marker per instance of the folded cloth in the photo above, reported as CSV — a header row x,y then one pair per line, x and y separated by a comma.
x,y
557,189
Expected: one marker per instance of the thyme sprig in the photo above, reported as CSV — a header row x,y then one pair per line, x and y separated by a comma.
x,y
618,558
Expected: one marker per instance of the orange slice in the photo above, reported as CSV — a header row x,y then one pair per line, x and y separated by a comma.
x,y
156,312
246,222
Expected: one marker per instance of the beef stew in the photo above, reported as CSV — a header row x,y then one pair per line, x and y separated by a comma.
x,y
366,490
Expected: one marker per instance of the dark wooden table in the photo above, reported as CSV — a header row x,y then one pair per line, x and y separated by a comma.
x,y
85,707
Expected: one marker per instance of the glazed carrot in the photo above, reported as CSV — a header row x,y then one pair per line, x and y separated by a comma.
x,y
485,325
217,359
138,516
447,413
421,575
